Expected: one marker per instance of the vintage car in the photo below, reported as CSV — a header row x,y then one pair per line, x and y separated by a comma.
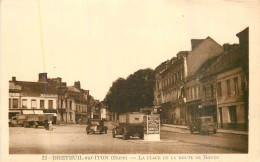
x,y
203,124
96,126
130,124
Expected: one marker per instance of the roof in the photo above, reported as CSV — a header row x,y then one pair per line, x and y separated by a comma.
x,y
72,88
35,88
226,61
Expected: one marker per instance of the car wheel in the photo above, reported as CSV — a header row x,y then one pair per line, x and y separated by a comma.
x,y
141,136
125,136
215,131
114,133
191,130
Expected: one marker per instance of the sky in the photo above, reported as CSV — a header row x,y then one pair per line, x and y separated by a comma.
x,y
97,41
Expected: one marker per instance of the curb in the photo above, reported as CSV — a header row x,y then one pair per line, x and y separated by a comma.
x,y
219,131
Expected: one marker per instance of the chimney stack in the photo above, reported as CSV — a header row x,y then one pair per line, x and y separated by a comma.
x,y
77,85
42,77
64,84
13,79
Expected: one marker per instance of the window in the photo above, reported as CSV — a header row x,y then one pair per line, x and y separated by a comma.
x,y
235,85
61,103
197,91
182,74
70,104
188,94
50,104
24,103
192,92
205,91
42,104
10,103
219,89
228,87
33,102
212,91
15,103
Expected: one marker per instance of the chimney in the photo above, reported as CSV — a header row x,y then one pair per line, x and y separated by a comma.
x,y
42,77
195,43
64,84
13,79
57,80
77,85
229,47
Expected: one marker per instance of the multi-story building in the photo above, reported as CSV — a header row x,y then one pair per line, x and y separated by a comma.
x,y
171,78
32,97
232,86
69,104
223,83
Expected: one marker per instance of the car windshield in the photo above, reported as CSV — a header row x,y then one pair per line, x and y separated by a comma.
x,y
94,122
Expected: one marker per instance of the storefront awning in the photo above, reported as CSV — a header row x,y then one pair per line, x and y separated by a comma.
x,y
51,113
15,111
38,111
28,112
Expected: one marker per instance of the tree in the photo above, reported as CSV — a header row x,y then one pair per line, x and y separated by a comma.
x,y
133,93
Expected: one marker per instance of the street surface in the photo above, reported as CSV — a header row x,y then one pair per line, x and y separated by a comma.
x,y
73,139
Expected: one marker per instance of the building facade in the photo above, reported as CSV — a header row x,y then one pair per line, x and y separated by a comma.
x,y
69,104
32,97
171,78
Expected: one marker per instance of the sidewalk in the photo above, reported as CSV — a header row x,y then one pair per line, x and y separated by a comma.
x,y
182,127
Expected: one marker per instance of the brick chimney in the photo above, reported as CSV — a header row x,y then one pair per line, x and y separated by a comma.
x,y
42,77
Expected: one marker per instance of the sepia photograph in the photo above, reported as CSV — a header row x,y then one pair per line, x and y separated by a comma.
x,y
130,80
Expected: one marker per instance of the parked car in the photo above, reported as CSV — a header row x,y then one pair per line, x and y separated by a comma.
x,y
130,124
96,126
203,124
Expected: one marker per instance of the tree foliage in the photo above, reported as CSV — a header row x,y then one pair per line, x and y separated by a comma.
x,y
133,93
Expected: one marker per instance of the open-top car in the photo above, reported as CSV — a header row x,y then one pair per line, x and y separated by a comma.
x,y
96,126
203,124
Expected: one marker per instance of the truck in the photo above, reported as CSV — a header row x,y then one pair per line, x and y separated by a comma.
x,y
28,120
130,124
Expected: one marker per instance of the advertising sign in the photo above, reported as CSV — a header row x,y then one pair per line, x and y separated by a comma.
x,y
152,124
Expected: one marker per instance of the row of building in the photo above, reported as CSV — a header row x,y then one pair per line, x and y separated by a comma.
x,y
210,80
69,104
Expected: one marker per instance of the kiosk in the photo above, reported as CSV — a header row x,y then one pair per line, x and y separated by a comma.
x,y
152,127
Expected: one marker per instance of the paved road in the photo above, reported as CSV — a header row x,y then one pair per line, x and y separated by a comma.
x,y
74,139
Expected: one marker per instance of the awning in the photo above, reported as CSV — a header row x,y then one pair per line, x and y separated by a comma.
x,y
28,112
15,111
38,111
51,113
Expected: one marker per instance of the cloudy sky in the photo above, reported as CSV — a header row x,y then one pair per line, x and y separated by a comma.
x,y
97,41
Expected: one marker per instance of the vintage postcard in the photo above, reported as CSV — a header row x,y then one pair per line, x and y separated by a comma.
x,y
129,80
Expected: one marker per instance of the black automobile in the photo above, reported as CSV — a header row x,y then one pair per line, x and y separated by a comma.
x,y
96,126
203,125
